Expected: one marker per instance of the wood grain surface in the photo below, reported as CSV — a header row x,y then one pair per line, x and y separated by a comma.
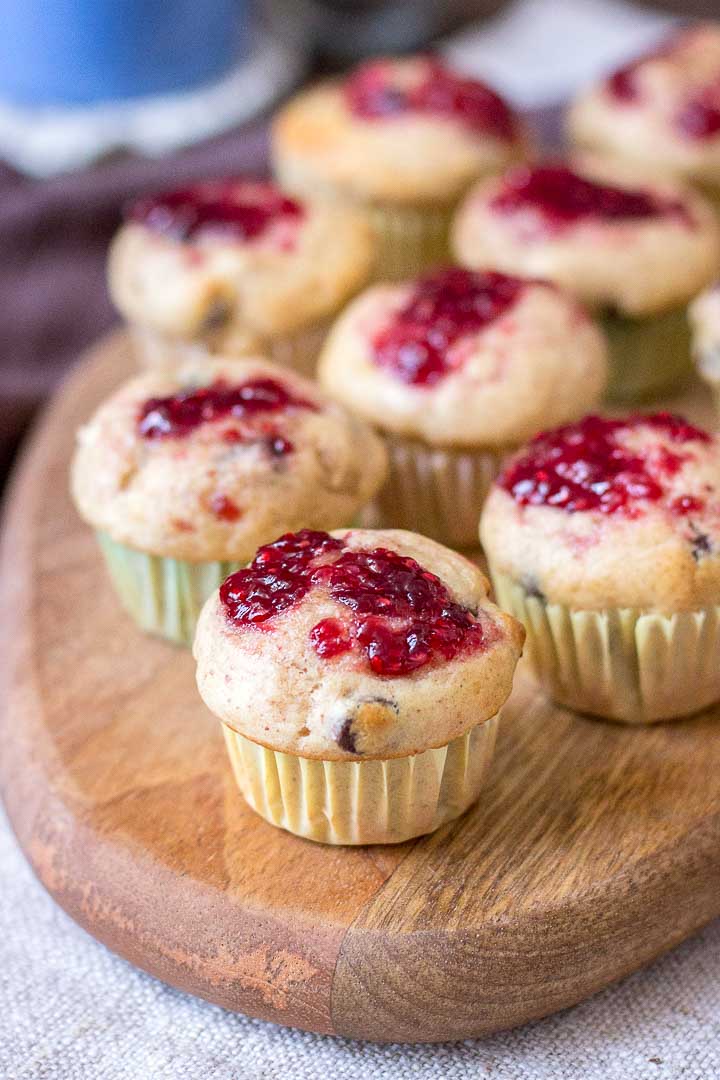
x,y
594,848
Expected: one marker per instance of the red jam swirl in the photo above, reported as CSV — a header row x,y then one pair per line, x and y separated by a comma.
x,y
224,508
279,576
586,466
699,117
564,198
177,416
623,83
330,638
401,617
373,93
240,209
442,308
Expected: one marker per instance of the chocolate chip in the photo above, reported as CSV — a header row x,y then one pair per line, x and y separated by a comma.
x,y
700,543
345,737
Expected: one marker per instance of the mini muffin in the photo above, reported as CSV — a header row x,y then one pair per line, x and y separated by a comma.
x,y
402,137
636,256
233,267
705,322
603,537
358,677
456,369
182,477
662,111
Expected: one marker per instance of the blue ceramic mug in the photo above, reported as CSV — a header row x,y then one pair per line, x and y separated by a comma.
x,y
80,51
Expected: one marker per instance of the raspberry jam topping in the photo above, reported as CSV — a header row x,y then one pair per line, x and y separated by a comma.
x,y
623,83
177,416
699,115
563,198
329,638
398,616
225,508
442,308
240,209
588,466
374,91
699,118
279,576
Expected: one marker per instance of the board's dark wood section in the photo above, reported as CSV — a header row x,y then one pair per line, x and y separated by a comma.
x,y
595,848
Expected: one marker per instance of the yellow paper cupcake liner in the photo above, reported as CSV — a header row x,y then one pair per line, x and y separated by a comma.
x,y
622,663
298,351
707,364
712,194
363,802
436,492
410,240
649,357
164,596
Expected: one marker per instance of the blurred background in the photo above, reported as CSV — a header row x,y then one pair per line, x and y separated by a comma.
x,y
103,99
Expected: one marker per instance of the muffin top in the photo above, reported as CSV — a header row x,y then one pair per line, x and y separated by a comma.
x,y
359,644
663,109
465,358
636,250
611,513
400,130
236,261
705,321
209,464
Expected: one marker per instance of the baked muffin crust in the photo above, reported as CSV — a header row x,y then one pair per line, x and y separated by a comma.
x,y
407,145
272,683
662,110
637,250
611,514
212,462
464,359
194,265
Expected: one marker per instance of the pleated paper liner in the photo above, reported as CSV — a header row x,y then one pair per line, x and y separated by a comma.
x,y
707,364
712,193
164,596
410,240
363,802
625,664
649,357
298,351
437,492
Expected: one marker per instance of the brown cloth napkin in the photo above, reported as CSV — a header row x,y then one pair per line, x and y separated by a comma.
x,y
53,242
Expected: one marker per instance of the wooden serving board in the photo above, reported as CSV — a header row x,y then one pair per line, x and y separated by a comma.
x,y
594,848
